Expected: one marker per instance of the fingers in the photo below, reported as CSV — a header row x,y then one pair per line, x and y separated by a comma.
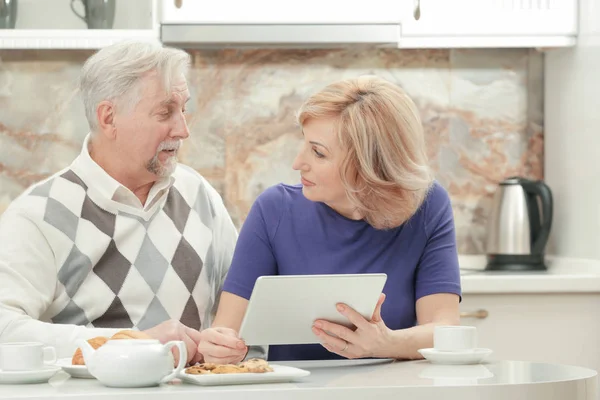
x,y
327,328
216,336
192,333
190,345
336,350
213,350
198,358
227,331
334,345
377,313
221,355
358,320
221,346
224,360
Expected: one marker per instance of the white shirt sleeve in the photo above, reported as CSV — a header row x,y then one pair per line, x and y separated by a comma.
x,y
28,281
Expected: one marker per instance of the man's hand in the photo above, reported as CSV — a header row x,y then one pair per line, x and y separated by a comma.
x,y
175,330
222,346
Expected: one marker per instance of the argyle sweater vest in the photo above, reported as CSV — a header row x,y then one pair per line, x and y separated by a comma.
x,y
120,270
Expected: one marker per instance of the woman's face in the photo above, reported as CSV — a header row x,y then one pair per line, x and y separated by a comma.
x,y
319,160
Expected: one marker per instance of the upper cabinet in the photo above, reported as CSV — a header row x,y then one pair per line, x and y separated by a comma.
x,y
491,23
266,23
83,24
283,12
394,23
75,24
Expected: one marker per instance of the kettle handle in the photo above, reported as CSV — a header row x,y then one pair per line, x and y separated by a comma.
x,y
542,190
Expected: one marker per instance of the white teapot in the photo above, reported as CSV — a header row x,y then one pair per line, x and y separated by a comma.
x,y
133,362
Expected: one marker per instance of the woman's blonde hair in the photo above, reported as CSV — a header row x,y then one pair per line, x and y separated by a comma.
x,y
385,171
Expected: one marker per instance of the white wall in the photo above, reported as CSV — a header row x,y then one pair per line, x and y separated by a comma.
x,y
572,139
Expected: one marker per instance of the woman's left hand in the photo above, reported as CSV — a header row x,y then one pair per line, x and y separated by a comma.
x,y
370,339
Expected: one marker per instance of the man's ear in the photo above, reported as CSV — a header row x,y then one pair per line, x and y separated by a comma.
x,y
106,116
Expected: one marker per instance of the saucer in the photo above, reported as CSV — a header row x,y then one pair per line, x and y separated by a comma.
x,y
474,356
76,371
36,376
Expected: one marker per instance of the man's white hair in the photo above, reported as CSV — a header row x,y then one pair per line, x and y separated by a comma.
x,y
113,73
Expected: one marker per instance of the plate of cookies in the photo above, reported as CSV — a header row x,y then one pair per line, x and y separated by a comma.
x,y
248,372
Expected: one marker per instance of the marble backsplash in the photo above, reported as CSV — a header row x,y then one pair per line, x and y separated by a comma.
x,y
482,110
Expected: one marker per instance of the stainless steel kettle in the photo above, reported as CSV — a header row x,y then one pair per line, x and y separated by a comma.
x,y
519,225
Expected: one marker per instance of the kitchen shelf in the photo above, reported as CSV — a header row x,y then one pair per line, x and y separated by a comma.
x,y
70,38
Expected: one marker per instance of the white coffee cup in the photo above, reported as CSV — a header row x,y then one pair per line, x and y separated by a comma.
x,y
455,338
25,356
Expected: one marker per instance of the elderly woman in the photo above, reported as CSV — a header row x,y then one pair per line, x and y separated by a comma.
x,y
368,203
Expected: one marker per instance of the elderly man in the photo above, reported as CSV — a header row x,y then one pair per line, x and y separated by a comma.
x,y
124,237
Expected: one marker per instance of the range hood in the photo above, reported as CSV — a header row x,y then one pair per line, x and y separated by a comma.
x,y
272,35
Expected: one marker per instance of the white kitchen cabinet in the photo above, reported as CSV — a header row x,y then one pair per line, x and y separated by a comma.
x,y
51,24
283,12
491,23
419,23
557,328
259,23
391,23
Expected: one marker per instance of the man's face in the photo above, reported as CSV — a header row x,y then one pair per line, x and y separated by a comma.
x,y
150,134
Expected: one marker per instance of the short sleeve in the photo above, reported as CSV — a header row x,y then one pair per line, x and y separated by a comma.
x,y
438,269
254,255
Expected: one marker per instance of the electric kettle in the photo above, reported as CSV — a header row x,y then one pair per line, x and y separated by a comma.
x,y
519,225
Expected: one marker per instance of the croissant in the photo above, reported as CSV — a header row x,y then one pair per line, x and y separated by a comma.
x,y
100,340
94,342
130,334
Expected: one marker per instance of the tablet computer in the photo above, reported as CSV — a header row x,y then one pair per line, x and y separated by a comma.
x,y
283,308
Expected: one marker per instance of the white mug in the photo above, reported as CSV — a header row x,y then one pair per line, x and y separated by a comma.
x,y
454,338
25,356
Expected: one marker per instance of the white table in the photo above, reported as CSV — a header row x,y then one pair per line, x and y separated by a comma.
x,y
360,379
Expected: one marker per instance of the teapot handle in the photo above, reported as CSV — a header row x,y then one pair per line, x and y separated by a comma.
x,y
182,359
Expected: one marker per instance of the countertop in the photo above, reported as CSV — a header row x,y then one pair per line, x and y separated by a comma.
x,y
359,379
564,275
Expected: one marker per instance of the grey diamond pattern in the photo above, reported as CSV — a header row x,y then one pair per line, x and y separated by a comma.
x,y
155,314
74,270
205,209
191,315
61,218
115,317
211,271
177,209
112,268
151,264
43,190
102,219
71,314
187,264
72,177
